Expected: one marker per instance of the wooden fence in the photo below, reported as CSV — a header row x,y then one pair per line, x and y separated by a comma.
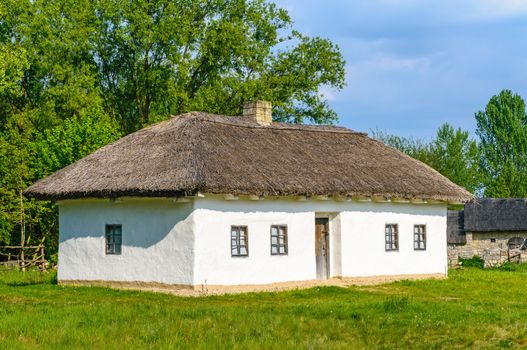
x,y
23,257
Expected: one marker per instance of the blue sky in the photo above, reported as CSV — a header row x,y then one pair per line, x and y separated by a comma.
x,y
414,64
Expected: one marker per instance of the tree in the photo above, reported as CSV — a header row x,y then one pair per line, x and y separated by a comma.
x,y
414,147
502,130
163,57
452,153
456,156
76,74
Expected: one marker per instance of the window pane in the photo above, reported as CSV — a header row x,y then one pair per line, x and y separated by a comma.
x,y
274,249
113,238
243,250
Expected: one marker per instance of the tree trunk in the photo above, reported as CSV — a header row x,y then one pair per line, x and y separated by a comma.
x,y
22,232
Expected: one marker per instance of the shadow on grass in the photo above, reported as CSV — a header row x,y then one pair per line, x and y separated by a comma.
x,y
14,278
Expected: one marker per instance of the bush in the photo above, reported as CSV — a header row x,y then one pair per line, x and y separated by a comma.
x,y
475,261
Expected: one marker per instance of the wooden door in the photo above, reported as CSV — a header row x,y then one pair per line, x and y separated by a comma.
x,y
322,247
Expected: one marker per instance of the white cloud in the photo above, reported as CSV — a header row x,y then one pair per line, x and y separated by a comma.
x,y
387,62
328,93
494,8
462,10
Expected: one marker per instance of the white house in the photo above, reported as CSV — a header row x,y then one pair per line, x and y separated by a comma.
x,y
202,199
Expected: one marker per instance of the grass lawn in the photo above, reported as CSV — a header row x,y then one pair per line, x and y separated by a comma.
x,y
482,309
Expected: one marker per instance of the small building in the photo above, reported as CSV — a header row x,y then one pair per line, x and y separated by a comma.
x,y
208,200
494,229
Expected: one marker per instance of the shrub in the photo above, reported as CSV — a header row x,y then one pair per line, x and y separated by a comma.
x,y
475,261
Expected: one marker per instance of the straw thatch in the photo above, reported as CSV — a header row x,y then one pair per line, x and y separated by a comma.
x,y
234,155
496,214
455,227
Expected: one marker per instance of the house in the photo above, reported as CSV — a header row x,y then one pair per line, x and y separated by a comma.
x,y
494,229
208,200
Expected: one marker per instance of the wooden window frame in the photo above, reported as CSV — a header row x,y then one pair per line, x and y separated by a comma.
x,y
113,241
391,239
279,245
417,239
236,246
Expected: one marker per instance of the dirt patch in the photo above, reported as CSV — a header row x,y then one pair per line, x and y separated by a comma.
x,y
204,290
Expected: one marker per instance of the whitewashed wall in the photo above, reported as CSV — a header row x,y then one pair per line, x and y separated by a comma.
x,y
356,240
214,264
157,241
363,250
189,243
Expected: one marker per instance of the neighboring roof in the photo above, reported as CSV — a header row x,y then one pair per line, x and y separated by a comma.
x,y
218,154
455,227
496,214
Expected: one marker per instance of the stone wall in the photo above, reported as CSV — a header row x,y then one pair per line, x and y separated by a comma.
x,y
490,246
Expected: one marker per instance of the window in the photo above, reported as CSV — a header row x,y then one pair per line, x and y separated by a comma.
x,y
239,241
279,240
391,237
113,239
420,237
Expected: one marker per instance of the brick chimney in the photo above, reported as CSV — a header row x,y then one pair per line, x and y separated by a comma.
x,y
259,111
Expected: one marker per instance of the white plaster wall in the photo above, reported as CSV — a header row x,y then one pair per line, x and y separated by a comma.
x,y
363,238
356,239
157,241
189,243
214,264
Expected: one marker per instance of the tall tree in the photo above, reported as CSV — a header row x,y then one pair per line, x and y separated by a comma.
x,y
452,153
502,129
162,57
455,155
75,74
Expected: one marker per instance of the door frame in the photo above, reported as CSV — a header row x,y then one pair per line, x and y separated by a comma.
x,y
319,271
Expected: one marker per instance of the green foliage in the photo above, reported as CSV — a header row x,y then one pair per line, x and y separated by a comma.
x,y
493,167
502,129
475,261
507,266
452,153
75,138
75,75
456,156
26,156
162,57
472,309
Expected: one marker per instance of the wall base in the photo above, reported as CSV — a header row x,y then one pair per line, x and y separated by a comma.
x,y
204,290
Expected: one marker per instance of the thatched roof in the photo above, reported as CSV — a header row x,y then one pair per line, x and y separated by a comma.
x,y
496,214
234,155
455,227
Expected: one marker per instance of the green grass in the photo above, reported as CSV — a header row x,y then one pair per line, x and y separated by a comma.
x,y
474,308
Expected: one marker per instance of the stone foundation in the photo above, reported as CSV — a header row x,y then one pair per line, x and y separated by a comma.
x,y
490,246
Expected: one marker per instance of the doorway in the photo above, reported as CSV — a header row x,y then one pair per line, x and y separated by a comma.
x,y
322,247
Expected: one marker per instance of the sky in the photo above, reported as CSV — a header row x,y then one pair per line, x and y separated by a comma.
x,y
412,65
